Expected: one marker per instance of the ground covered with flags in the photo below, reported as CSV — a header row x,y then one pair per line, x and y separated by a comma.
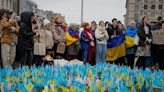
x,y
80,78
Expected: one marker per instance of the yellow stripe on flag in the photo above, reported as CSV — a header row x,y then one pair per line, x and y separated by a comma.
x,y
69,39
129,41
116,52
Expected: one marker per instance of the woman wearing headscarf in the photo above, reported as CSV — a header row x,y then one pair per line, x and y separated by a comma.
x,y
9,39
25,42
49,39
131,47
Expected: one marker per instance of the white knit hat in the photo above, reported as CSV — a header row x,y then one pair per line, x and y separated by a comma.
x,y
46,21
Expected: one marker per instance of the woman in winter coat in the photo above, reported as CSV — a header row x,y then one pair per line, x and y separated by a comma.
x,y
73,49
49,39
39,41
145,41
87,43
131,32
159,48
9,39
101,35
59,37
25,41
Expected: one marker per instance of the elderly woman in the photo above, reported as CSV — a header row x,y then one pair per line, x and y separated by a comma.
x,y
131,32
73,48
59,37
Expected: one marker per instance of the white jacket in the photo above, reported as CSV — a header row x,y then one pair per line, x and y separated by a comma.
x,y
101,36
49,39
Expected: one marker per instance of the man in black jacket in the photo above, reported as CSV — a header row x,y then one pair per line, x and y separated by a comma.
x,y
112,29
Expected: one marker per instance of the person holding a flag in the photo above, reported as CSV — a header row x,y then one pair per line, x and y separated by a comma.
x,y
112,29
131,47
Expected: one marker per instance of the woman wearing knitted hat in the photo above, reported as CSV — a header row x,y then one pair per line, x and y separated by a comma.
x,y
49,40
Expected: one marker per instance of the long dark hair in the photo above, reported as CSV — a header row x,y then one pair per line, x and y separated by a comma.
x,y
141,25
144,19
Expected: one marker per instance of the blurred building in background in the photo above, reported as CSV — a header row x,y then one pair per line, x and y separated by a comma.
x,y
18,6
50,15
27,5
136,9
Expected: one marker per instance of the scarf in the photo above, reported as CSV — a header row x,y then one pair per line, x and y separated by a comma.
x,y
90,48
102,29
131,32
87,32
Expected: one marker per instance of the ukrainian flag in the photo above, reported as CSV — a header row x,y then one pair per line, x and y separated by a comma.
x,y
116,48
69,39
130,37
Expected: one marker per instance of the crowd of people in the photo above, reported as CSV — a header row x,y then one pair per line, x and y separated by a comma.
x,y
31,39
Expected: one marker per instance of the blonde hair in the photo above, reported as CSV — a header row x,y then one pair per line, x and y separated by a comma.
x,y
132,22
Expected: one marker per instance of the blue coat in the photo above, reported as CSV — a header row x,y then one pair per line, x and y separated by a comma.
x,y
84,42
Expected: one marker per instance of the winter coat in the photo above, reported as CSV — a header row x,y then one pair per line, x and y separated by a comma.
x,y
9,32
142,35
40,43
101,36
49,38
73,48
86,41
59,34
111,31
25,41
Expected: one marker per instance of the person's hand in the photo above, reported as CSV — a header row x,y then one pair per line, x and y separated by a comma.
x,y
62,43
149,40
92,39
